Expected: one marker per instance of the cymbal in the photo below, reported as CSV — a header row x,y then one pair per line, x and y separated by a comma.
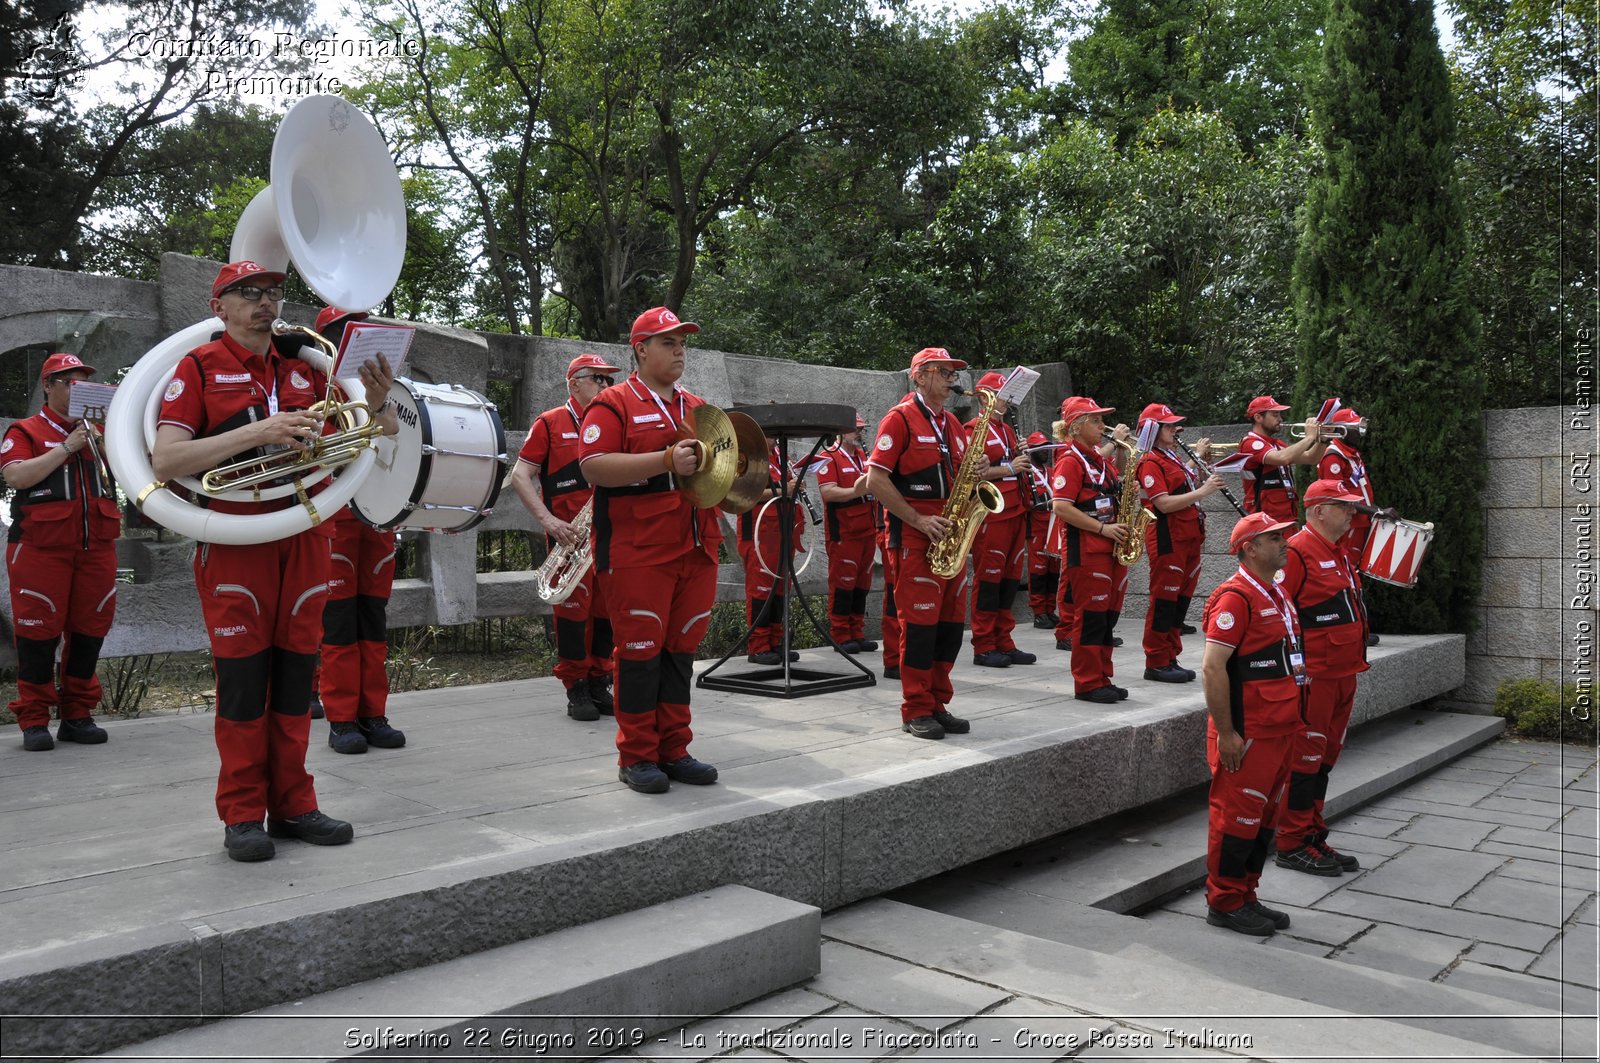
x,y
749,487
719,456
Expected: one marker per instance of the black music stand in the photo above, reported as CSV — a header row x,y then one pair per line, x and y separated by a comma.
x,y
782,422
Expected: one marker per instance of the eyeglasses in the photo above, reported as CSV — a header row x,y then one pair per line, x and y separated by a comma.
x,y
253,294
947,374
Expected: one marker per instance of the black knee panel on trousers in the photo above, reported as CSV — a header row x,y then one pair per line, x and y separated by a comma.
x,y
1183,608
888,601
242,686
987,600
858,601
677,669
570,643
1163,615
1008,593
1259,849
760,611
842,598
921,641
947,644
1322,781
638,684
1233,857
600,643
1303,787
339,622
36,660
371,618
291,682
1096,629
83,652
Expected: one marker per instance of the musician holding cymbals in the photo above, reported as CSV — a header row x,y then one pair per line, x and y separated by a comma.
x,y
912,471
656,551
1001,547
262,602
1268,485
549,481
61,557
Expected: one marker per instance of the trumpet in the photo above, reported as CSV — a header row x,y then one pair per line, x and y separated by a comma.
x,y
1218,450
356,431
1341,430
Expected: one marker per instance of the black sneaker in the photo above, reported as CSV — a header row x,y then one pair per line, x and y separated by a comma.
x,y
867,645
923,727
345,737
1280,920
1190,629
687,769
1309,860
82,730
953,725
644,777
850,646
892,672
1345,862
315,827
1063,644
1106,695
1121,692
1116,640
600,694
37,739
1372,640
247,842
1190,672
316,709
1020,656
1043,622
1055,621
768,657
992,659
378,731
580,703
1246,920
1169,673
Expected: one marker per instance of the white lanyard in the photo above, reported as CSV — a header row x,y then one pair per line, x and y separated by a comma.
x,y
673,421
1096,476
938,431
1190,477
577,422
1282,603
999,440
849,461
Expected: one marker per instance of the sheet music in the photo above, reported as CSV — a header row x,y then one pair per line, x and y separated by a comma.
x,y
89,401
1017,384
1234,462
363,342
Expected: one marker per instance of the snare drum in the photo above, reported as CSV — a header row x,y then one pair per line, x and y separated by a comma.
x,y
1395,549
442,472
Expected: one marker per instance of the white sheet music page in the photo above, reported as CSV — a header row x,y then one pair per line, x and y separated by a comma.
x,y
1017,384
89,401
363,342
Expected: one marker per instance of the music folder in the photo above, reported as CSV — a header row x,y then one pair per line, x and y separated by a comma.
x,y
363,342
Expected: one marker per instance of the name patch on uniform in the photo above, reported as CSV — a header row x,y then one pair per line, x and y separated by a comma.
x,y
1269,612
1327,564
566,483
645,418
927,439
569,435
229,378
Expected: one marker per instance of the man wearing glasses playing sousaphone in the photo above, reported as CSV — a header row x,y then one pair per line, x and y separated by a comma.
x,y
548,480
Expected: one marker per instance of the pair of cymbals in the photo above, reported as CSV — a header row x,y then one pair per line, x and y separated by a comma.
x,y
734,469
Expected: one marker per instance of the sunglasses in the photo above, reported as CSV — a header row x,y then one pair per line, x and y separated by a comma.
x,y
604,381
253,294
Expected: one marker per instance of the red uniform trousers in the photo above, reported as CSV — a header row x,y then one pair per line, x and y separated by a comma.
x,y
850,564
263,608
1173,578
998,553
59,591
1066,609
658,615
583,632
1044,571
893,636
355,631
1315,751
1098,585
933,614
1244,810
763,597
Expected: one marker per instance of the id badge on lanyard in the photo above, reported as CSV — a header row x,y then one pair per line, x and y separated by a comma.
x,y
1296,656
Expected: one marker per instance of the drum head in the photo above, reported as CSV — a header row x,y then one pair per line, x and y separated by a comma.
x,y
401,470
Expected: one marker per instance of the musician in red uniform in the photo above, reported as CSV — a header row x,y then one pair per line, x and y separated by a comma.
x,y
1002,543
913,465
1321,579
1268,482
1044,568
1085,487
262,602
1253,674
61,557
893,636
656,552
352,677
1173,491
759,544
548,480
1343,462
852,538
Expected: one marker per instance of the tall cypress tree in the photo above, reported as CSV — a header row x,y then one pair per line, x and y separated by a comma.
x,y
1382,312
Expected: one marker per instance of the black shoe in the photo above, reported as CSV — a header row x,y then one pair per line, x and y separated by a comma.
x,y
1372,640
1186,671
765,657
1246,920
1055,621
1346,863
345,737
1063,644
1170,673
1106,695
850,646
1309,860
644,777
1190,629
600,694
37,739
953,725
1020,656
1122,692
687,769
315,827
992,659
1116,640
794,655
247,842
1280,920
82,730
891,673
1043,621
866,645
580,703
923,727
316,709
378,731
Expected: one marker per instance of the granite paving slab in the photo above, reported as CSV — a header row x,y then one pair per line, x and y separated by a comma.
x,y
1402,950
1428,874
1571,958
1520,899
893,987
1444,831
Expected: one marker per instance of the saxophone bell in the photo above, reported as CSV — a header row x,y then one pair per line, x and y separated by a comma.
x,y
563,568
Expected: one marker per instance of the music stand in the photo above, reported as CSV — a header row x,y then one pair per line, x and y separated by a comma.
x,y
782,422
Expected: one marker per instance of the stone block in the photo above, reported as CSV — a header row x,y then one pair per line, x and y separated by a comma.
x,y
1486,673
441,354
185,290
1526,433
1512,483
1525,533
1512,583
1526,633
451,563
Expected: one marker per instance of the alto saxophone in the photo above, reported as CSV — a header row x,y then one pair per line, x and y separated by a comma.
x,y
564,566
971,499
1130,513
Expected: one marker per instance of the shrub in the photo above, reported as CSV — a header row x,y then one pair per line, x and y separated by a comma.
x,y
1534,708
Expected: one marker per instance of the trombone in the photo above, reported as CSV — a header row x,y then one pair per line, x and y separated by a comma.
x,y
1341,430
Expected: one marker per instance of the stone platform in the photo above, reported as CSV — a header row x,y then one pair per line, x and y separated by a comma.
x,y
502,820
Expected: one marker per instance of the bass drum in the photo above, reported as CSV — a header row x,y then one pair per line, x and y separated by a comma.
x,y
442,472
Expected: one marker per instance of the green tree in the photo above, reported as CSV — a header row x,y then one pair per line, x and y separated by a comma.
x,y
1380,289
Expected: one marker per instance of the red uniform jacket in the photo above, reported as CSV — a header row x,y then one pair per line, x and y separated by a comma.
x,y
74,505
852,520
999,443
553,447
1088,481
1267,488
1344,464
920,450
1258,624
1161,473
1325,590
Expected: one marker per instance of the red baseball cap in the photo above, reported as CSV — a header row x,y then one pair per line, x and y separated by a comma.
x,y
860,421
60,363
236,273
329,314
1037,439
1263,403
992,381
1159,413
1346,416
1076,406
1328,491
935,356
657,321
589,361
1249,527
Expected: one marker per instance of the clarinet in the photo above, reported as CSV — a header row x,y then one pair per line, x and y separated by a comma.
x,y
1203,467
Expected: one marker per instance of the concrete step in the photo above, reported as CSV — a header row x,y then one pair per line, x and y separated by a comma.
x,y
586,991
1138,999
